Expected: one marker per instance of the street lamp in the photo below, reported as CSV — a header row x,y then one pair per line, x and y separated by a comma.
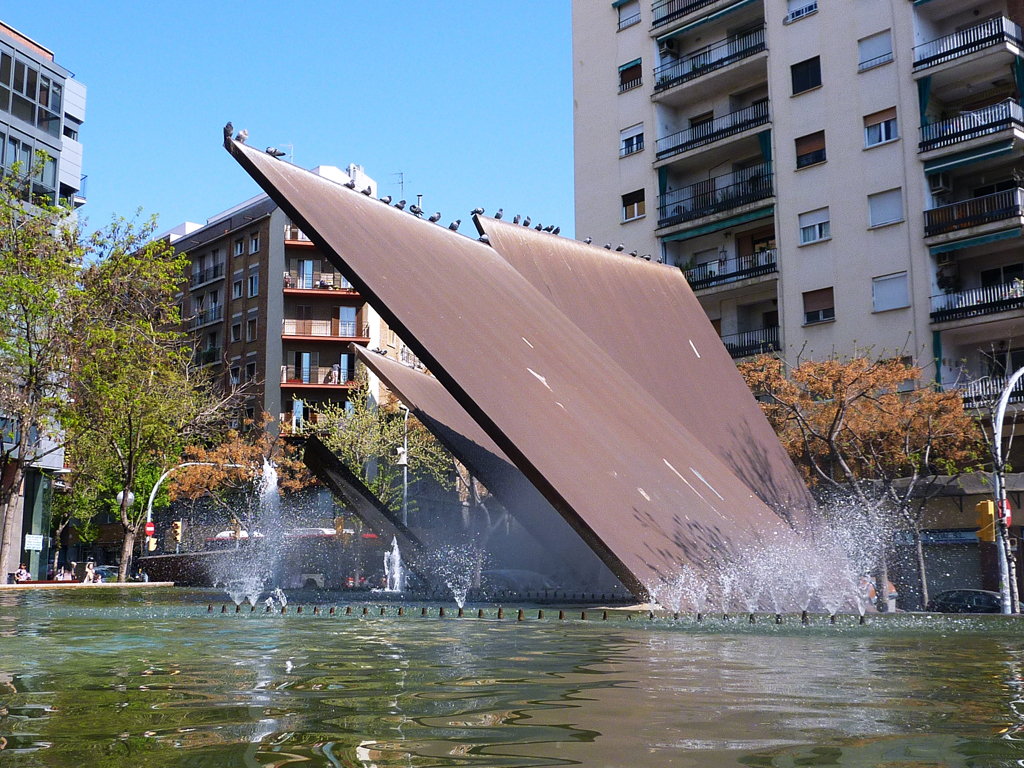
x,y
403,462
1007,587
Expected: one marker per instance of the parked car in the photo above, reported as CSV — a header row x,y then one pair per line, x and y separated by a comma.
x,y
108,572
966,601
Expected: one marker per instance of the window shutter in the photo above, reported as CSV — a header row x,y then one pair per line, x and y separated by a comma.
x,y
818,216
815,301
875,46
880,117
885,207
890,292
814,142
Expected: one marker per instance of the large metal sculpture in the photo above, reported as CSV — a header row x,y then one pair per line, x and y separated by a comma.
x,y
638,487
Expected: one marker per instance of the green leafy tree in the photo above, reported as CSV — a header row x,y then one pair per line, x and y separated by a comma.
x,y
40,261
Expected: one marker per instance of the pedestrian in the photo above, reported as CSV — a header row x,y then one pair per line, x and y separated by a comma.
x,y
22,575
90,573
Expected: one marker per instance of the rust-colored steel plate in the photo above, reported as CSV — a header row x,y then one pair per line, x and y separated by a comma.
x,y
336,476
646,317
637,486
452,426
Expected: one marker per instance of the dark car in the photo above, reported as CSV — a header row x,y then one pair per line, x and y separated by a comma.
x,y
966,601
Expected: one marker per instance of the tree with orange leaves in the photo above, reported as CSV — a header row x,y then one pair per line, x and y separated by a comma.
x,y
867,431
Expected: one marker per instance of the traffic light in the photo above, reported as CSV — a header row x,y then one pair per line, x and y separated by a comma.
x,y
986,520
176,530
151,543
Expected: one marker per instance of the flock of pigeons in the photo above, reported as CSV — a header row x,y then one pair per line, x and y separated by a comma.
x,y
416,211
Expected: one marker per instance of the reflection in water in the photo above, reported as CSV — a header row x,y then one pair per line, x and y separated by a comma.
x,y
86,680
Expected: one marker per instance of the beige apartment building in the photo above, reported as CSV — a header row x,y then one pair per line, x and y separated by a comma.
x,y
268,310
831,178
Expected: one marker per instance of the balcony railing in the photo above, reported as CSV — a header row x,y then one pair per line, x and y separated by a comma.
x,y
317,281
977,302
798,13
210,273
715,195
731,270
327,328
665,11
987,390
206,316
748,343
971,125
971,213
966,41
317,374
715,56
292,232
208,356
714,130
629,21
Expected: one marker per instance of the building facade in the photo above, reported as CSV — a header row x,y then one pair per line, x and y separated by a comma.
x,y
267,310
832,179
42,108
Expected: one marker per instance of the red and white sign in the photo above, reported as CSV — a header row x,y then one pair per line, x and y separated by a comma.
x,y
1006,512
150,528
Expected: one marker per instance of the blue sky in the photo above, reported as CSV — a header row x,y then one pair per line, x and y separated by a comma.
x,y
471,101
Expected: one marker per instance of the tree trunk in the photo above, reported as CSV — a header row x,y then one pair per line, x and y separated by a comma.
x,y
922,575
127,547
882,585
10,503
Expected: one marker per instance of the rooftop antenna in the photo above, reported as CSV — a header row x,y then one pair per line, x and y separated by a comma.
x,y
419,200
401,184
291,153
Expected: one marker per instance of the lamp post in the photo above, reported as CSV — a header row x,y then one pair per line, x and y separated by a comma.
x,y
403,462
164,476
1007,585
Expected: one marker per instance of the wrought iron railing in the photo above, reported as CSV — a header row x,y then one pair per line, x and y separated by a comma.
x,y
977,302
665,11
986,390
208,356
730,270
970,213
748,343
627,85
206,316
206,275
326,328
714,130
971,125
631,147
714,56
966,41
714,195
317,281
629,21
317,374
292,232
877,61
798,13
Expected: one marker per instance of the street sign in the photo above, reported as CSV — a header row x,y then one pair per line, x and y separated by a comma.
x,y
33,542
150,528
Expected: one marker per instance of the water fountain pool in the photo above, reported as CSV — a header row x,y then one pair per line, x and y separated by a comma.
x,y
150,678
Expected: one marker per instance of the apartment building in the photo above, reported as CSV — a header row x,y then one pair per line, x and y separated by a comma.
x,y
831,175
268,310
42,108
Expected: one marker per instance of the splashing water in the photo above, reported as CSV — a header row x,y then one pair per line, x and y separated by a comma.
x,y
394,570
457,567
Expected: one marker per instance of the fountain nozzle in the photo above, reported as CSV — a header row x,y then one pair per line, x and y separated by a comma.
x,y
804,618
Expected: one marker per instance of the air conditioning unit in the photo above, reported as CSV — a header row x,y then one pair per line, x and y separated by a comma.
x,y
667,47
940,183
944,259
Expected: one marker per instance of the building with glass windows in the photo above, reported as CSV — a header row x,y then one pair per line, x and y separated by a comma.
x,y
42,108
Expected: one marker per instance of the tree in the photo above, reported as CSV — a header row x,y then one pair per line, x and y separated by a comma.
x,y
866,430
139,396
40,259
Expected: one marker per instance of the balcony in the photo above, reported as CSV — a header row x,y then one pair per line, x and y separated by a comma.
x,y
294,234
709,59
748,343
713,130
972,125
977,302
972,213
330,329
208,356
711,196
206,276
317,281
731,270
317,375
665,11
967,41
206,316
979,393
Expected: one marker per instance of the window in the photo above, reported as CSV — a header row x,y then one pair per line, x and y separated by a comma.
x,y
630,75
254,243
890,292
235,373
1002,275
254,285
633,205
239,247
810,149
631,140
819,306
880,127
236,289
806,75
885,207
815,226
875,51
629,13
236,332
799,9
250,329
250,372
997,186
